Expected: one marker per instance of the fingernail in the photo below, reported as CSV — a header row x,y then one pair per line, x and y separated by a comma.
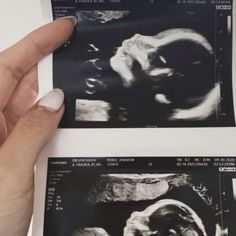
x,y
53,100
72,19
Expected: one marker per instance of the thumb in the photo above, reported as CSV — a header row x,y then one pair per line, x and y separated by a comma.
x,y
33,131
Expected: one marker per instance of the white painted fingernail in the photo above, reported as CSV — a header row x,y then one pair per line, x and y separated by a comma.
x,y
53,100
72,19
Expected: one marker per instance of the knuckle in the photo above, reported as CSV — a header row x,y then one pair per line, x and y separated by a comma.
x,y
37,47
34,85
35,121
14,72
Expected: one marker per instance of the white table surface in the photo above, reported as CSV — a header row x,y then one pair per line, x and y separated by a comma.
x,y
17,18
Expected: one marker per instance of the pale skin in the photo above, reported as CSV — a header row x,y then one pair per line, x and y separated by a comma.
x,y
25,127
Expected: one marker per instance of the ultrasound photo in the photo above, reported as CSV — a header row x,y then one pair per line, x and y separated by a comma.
x,y
159,64
139,197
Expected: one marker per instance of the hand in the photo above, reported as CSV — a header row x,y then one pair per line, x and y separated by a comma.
x,y
25,128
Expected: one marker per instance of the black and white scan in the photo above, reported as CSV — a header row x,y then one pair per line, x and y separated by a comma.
x,y
146,64
141,196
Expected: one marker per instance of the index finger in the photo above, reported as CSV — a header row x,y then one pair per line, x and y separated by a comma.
x,y
18,59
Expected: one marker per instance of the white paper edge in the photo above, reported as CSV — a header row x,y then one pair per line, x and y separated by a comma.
x,y
45,84
125,142
45,73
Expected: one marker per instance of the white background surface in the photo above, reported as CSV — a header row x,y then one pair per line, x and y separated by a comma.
x,y
18,17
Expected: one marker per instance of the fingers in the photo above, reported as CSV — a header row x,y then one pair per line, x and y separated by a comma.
x,y
32,132
3,128
17,60
22,99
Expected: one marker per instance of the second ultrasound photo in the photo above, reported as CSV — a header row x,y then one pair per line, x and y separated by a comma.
x,y
140,196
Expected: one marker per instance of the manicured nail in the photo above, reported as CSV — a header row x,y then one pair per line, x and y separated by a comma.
x,y
53,100
72,19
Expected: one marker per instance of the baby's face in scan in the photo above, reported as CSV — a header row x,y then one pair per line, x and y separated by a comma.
x,y
165,218
157,54
176,64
